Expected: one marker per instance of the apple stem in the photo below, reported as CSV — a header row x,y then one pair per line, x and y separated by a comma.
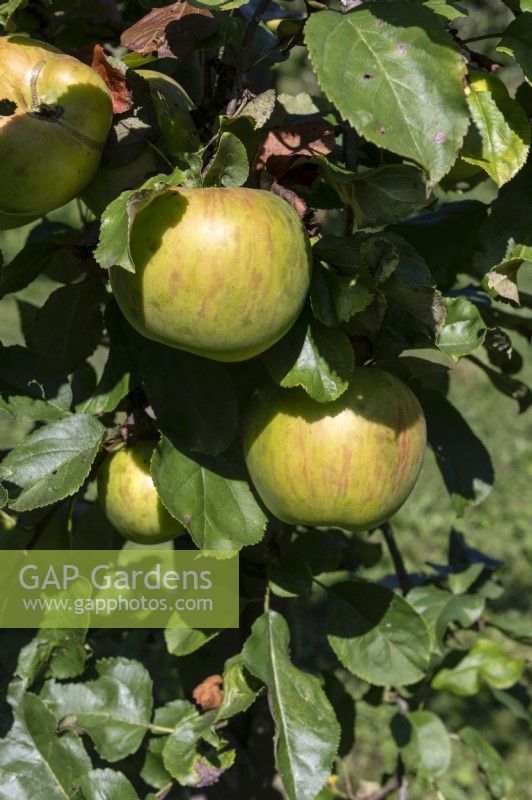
x,y
397,558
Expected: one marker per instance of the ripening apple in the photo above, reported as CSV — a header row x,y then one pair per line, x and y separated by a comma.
x,y
129,499
55,114
222,273
112,178
350,464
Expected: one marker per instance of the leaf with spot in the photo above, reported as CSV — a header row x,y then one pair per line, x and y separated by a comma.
x,y
210,497
317,358
396,76
114,709
307,732
53,461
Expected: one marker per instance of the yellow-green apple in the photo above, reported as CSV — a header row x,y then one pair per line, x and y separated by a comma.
x,y
222,273
351,463
55,114
113,179
129,499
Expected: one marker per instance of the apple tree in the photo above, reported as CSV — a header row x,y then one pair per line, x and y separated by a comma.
x,y
247,249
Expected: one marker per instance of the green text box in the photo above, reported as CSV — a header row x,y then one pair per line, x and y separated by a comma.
x,y
149,588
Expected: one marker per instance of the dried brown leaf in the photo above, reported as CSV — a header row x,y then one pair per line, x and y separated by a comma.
x,y
171,32
283,145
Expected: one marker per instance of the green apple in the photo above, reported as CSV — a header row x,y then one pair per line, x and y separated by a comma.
x,y
350,464
55,114
129,499
222,273
113,179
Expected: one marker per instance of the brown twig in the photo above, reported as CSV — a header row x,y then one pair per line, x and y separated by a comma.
x,y
397,782
400,569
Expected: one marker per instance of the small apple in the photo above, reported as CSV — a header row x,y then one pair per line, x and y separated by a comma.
x,y
222,273
129,499
55,114
112,179
350,464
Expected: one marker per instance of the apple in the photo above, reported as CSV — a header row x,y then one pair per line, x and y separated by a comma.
x,y
350,464
112,179
222,273
129,499
55,114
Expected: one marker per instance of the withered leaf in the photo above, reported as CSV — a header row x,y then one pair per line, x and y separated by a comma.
x,y
283,145
114,78
171,31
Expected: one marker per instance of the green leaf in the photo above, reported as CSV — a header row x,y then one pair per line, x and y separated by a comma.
x,y
53,653
31,387
230,166
181,388
500,139
487,663
224,5
490,762
114,709
376,634
439,609
240,690
423,303
183,754
506,235
118,217
389,194
463,460
178,129
517,41
184,641
460,582
35,761
119,375
69,326
336,298
7,10
106,784
514,627
317,358
463,330
209,498
53,461
446,238
446,9
400,80
307,733
32,260
424,742
4,497
307,555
